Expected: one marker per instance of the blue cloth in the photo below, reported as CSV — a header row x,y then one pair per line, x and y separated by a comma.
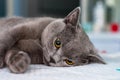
x,y
118,69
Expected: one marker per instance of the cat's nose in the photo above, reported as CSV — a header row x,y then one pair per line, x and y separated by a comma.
x,y
52,60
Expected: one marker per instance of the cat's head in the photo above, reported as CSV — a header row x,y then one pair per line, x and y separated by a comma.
x,y
66,44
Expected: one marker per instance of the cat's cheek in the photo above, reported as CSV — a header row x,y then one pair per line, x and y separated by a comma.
x,y
51,50
45,54
59,64
53,65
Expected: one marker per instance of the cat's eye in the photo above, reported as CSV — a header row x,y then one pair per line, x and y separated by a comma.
x,y
57,43
69,62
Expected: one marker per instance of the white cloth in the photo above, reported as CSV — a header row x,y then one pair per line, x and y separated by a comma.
x,y
86,72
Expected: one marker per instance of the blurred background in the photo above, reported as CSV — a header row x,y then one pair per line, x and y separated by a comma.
x,y
99,18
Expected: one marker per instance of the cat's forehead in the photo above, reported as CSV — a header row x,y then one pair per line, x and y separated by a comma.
x,y
55,27
59,23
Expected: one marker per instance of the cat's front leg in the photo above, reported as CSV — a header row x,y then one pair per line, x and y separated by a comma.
x,y
9,37
3,48
17,61
1,57
2,64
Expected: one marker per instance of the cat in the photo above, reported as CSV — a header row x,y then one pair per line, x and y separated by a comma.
x,y
59,42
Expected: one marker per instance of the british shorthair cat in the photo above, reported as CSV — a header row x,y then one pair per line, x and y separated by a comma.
x,y
50,41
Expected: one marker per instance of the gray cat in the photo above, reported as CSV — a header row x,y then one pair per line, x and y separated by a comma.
x,y
49,41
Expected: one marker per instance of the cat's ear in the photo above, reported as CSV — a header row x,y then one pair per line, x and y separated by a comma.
x,y
96,59
73,17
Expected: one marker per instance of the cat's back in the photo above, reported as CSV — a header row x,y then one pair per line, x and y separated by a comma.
x,y
6,23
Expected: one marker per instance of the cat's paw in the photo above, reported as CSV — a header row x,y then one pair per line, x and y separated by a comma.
x,y
17,62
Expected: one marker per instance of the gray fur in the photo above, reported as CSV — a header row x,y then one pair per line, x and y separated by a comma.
x,y
35,37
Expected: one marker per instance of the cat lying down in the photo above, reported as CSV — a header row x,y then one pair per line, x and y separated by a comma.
x,y
50,41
